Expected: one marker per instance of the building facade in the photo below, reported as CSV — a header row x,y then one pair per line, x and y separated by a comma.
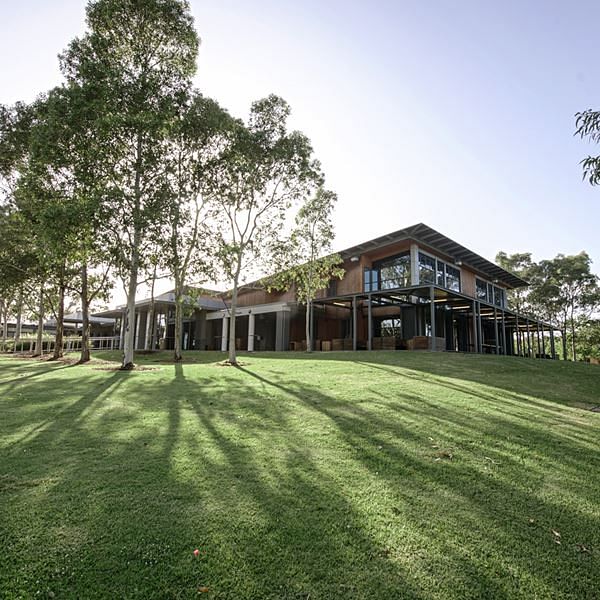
x,y
412,289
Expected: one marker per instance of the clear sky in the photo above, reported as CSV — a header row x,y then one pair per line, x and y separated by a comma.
x,y
456,114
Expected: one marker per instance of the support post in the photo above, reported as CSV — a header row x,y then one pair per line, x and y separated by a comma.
x,y
539,349
528,340
496,330
552,346
518,337
432,318
312,328
354,323
369,324
543,342
414,264
503,335
137,329
479,329
251,324
475,332
224,334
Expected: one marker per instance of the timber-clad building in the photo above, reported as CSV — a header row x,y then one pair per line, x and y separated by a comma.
x,y
414,289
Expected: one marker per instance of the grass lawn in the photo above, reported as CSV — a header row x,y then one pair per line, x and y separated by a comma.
x,y
343,475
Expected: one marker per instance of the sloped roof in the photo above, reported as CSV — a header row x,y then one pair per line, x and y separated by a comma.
x,y
430,237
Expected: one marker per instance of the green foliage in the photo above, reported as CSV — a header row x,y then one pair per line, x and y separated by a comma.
x,y
300,261
262,171
521,265
137,59
588,127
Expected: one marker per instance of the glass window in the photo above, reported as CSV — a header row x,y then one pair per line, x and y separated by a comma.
x,y
452,278
371,280
426,268
499,297
481,290
395,272
390,327
441,274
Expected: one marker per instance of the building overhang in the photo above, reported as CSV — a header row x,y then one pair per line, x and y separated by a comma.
x,y
427,236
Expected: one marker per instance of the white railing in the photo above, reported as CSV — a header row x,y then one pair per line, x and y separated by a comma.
x,y
70,344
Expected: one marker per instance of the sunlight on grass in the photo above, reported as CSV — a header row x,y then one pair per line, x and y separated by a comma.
x,y
367,475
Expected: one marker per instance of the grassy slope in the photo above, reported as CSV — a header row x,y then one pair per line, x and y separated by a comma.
x,y
369,475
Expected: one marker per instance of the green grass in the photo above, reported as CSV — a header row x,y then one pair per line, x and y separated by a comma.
x,y
367,475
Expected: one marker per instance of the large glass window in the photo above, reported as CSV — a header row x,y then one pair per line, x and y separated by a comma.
x,y
394,272
426,268
441,273
371,280
499,297
452,278
487,292
481,289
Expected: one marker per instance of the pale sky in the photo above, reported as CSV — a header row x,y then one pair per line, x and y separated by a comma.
x,y
456,114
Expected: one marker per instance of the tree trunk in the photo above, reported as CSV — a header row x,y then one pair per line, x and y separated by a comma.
x,y
4,324
178,322
60,316
573,340
129,341
563,334
129,338
234,296
308,318
39,349
85,316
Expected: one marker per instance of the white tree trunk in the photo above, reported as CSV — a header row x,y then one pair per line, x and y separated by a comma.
x,y
40,328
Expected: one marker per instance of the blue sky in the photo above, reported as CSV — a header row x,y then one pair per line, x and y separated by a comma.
x,y
456,114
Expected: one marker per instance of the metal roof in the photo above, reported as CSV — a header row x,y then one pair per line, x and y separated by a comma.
x,y
430,237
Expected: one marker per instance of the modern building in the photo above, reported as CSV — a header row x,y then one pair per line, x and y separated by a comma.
x,y
412,289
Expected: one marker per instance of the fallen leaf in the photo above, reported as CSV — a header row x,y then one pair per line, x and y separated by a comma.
x,y
583,548
531,521
202,589
556,533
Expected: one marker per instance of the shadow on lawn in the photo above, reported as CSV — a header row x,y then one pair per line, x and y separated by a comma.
x,y
294,493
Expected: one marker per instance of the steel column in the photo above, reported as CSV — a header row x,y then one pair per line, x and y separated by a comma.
x,y
354,322
503,335
528,341
475,335
369,324
432,317
496,330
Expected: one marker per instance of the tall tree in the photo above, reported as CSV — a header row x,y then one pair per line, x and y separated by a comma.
x,y
564,290
261,172
587,125
520,264
307,265
196,140
137,58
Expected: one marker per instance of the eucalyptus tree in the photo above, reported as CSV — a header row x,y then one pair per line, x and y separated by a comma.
x,y
587,125
521,265
19,268
262,171
196,140
137,58
308,265
565,290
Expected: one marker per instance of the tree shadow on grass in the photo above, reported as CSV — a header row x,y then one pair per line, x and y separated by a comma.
x,y
289,492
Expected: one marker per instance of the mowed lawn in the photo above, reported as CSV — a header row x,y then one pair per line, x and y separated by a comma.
x,y
343,475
